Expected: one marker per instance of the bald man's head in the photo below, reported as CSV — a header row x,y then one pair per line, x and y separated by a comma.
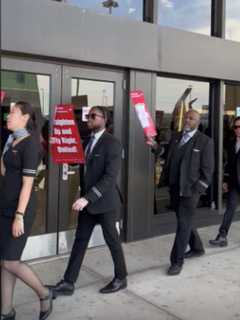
x,y
191,120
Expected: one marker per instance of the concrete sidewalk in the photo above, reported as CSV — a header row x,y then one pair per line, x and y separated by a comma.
x,y
207,289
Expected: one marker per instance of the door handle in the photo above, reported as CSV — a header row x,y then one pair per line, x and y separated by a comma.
x,y
68,172
71,172
65,171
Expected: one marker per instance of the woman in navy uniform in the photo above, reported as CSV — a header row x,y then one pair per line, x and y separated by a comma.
x,y
20,159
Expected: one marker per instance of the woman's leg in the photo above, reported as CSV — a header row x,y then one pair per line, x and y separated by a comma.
x,y
23,272
8,281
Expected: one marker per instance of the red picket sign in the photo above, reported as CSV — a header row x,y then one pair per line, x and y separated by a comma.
x,y
137,97
65,140
2,95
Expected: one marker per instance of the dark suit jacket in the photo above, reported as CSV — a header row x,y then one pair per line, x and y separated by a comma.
x,y
98,180
232,168
197,164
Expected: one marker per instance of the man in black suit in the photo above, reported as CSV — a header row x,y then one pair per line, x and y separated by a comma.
x,y
231,185
100,198
188,173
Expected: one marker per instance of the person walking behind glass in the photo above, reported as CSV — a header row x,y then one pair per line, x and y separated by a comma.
x,y
19,162
231,185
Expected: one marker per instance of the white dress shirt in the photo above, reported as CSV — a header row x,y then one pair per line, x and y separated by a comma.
x,y
187,135
237,145
97,136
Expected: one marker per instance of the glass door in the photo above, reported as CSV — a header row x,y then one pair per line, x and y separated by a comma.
x,y
231,111
174,97
84,88
38,84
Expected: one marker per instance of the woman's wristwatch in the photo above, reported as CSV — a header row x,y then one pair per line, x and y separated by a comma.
x,y
19,215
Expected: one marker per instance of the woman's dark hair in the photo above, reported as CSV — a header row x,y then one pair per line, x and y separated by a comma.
x,y
35,117
35,122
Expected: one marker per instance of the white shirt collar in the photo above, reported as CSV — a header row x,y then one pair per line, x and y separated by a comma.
x,y
191,133
237,145
98,134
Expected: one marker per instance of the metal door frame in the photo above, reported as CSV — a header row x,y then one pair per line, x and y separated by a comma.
x,y
53,242
42,245
94,73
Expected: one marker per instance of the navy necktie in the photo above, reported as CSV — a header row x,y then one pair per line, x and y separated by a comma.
x,y
184,139
89,147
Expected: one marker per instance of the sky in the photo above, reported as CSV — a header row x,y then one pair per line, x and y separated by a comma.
x,y
233,20
98,92
44,93
195,16
186,14
130,8
170,90
190,15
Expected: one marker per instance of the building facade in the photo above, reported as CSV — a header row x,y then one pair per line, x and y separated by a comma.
x,y
182,54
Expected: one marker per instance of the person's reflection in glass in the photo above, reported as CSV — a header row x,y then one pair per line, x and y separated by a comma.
x,y
158,151
230,186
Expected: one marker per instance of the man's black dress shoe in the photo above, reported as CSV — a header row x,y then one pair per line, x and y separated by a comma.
x,y
45,314
220,241
62,288
10,316
174,270
114,286
193,254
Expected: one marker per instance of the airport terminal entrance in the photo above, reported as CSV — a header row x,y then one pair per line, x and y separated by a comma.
x,y
45,85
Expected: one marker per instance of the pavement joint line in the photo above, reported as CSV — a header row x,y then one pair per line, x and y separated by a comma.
x,y
102,277
149,268
93,272
152,268
77,288
129,292
67,255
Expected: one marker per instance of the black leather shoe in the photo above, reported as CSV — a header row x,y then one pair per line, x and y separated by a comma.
x,y
62,288
174,270
220,241
193,254
10,316
45,314
114,286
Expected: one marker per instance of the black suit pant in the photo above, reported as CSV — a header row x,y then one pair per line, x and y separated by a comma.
x,y
186,233
86,224
232,203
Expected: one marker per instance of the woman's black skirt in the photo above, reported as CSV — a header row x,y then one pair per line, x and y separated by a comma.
x,y
12,248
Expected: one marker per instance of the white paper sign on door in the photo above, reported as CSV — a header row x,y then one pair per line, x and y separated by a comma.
x,y
85,112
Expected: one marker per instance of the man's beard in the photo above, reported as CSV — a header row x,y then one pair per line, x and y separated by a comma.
x,y
187,129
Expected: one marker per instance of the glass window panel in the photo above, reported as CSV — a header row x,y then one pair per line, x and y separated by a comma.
x,y
86,93
188,15
174,98
132,9
231,110
35,89
233,20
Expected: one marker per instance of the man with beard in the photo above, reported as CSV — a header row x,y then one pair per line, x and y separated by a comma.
x,y
188,172
98,204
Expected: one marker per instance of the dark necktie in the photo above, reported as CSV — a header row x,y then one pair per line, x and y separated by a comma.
x,y
184,139
89,147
